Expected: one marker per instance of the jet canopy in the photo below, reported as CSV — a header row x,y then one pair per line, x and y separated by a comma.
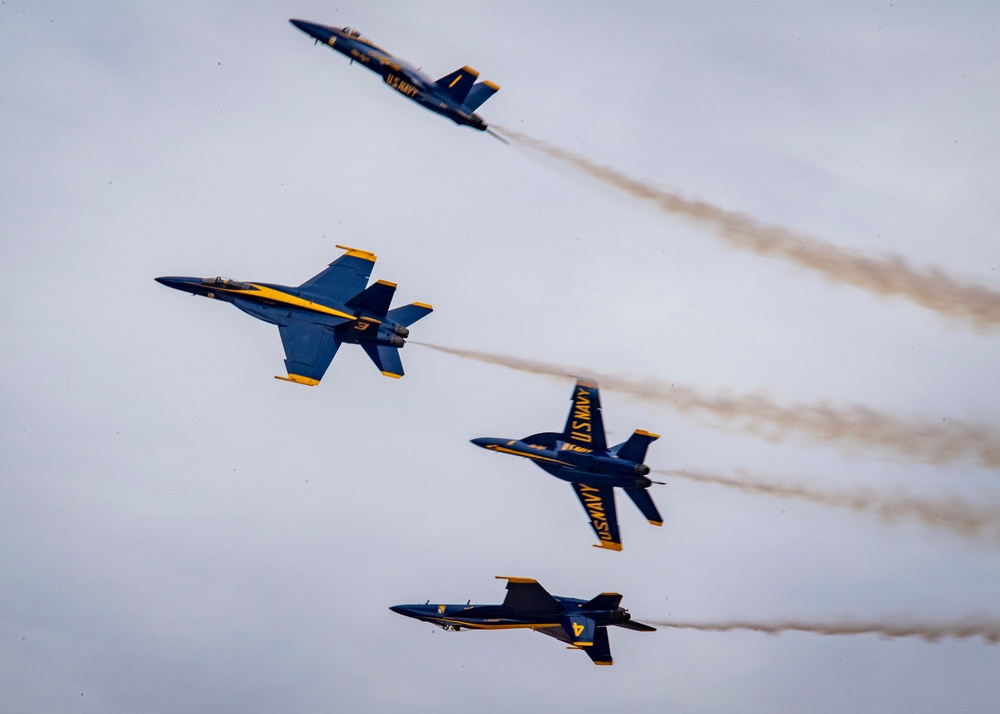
x,y
351,32
226,283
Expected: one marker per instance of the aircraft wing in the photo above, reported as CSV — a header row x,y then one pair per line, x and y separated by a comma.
x,y
526,595
599,503
584,426
344,278
309,349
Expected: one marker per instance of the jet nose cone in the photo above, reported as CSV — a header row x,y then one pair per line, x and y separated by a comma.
x,y
484,441
312,29
175,283
407,610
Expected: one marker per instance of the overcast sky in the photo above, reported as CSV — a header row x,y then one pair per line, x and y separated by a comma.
x,y
180,532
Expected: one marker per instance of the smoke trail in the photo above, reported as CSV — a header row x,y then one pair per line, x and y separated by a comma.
x,y
850,427
951,514
885,275
976,626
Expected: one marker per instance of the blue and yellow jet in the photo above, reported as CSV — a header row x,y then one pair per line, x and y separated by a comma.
x,y
580,455
456,96
581,624
322,313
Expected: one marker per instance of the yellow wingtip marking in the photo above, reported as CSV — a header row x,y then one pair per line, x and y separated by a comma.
x,y
514,579
608,546
358,253
471,71
390,374
657,523
424,305
492,85
604,664
643,432
386,282
298,379
586,382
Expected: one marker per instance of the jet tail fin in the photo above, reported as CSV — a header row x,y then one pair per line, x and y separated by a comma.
x,y
375,299
458,84
480,92
386,358
634,449
604,601
408,314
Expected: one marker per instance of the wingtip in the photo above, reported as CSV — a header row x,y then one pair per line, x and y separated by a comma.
x,y
298,379
608,546
358,253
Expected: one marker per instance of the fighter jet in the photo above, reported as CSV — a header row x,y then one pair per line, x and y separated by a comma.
x,y
581,624
580,455
456,95
322,313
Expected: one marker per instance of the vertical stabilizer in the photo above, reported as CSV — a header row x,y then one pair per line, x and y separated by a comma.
x,y
635,448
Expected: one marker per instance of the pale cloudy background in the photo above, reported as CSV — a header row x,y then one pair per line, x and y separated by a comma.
x,y
180,532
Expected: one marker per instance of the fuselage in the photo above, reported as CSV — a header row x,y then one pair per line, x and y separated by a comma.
x,y
498,617
281,304
396,73
573,463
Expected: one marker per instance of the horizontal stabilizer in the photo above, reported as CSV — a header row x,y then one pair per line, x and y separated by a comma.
x,y
600,651
637,626
479,93
408,314
457,84
634,449
644,502
604,601
386,358
375,299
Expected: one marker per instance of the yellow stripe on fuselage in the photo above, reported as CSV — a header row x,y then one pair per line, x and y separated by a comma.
x,y
287,299
502,449
511,626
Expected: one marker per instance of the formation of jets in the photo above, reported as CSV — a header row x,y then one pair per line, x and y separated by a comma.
x,y
338,306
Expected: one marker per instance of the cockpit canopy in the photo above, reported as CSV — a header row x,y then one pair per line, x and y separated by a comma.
x,y
226,283
351,32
